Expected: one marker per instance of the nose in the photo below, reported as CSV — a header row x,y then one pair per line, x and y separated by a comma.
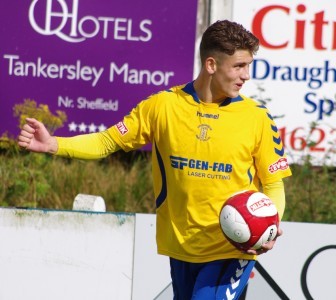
x,y
245,75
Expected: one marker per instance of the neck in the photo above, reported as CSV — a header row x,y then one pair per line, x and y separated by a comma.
x,y
204,89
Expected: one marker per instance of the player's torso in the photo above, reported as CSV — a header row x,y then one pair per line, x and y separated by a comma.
x,y
203,154
204,144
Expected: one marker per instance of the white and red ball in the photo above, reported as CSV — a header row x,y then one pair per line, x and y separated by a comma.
x,y
249,219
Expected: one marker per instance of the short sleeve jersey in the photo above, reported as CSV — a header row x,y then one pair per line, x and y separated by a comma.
x,y
202,154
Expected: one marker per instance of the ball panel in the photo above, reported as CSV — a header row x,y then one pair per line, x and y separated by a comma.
x,y
233,225
258,215
260,205
269,235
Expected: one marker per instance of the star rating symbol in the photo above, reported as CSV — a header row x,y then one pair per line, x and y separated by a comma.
x,y
82,127
92,127
86,128
72,126
102,127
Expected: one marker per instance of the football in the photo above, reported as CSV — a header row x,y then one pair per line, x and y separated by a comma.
x,y
249,219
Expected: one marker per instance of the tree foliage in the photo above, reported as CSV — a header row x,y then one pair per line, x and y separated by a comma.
x,y
41,112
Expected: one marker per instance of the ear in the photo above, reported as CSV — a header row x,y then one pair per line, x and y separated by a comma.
x,y
210,65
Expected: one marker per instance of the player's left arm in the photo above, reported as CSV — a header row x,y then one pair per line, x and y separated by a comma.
x,y
276,192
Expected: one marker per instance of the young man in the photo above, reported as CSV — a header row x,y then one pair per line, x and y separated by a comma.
x,y
208,143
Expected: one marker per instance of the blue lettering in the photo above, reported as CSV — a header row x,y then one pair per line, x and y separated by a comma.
x,y
310,102
198,164
228,168
323,107
181,162
219,167
205,165
314,76
261,63
323,110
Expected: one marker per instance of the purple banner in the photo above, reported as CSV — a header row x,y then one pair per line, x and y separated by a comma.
x,y
93,60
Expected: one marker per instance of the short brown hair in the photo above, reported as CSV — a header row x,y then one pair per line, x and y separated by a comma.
x,y
227,37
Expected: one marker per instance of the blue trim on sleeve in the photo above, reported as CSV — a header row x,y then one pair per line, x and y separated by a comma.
x,y
274,128
280,152
163,193
249,175
276,139
270,116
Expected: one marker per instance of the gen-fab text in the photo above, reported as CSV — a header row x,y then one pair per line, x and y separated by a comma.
x,y
202,168
183,162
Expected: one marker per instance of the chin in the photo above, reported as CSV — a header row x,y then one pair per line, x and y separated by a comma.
x,y
233,94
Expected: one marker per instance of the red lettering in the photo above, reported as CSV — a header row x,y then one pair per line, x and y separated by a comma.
x,y
334,40
317,29
300,28
318,32
122,128
281,164
260,204
257,25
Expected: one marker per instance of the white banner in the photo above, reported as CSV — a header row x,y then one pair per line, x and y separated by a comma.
x,y
302,265
65,255
86,255
294,72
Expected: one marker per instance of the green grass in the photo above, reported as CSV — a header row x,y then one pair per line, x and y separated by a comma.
x,y
43,181
311,194
125,182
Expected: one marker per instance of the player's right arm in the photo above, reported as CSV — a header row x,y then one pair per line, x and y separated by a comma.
x,y
35,137
87,146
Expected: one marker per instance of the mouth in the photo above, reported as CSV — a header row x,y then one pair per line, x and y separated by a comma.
x,y
239,85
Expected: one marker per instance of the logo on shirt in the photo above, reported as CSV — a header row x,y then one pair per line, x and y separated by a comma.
x,y
181,163
209,116
122,128
281,164
203,132
202,168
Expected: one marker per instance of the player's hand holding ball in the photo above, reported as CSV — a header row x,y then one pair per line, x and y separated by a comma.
x,y
250,222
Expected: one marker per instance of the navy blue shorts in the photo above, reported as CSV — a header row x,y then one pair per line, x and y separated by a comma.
x,y
220,279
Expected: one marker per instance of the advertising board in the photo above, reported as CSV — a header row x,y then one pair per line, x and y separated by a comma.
x,y
294,72
92,60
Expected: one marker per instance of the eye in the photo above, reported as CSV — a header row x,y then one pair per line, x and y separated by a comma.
x,y
239,66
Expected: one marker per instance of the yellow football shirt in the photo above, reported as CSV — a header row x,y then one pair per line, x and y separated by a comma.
x,y
202,154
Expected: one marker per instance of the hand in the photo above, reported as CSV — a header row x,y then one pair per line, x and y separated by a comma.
x,y
35,137
265,247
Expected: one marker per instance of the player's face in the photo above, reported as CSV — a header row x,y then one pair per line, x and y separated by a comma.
x,y
230,74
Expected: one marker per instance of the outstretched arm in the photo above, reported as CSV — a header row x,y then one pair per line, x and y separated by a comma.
x,y
35,137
